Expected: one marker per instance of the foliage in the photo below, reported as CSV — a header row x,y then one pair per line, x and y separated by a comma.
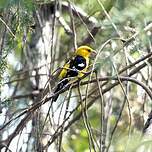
x,y
106,111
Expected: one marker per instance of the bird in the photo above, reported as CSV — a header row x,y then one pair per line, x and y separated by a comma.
x,y
75,67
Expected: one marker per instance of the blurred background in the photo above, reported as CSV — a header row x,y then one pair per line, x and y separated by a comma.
x,y
107,110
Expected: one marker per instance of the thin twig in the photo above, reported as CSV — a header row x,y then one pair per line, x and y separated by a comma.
x,y
7,27
73,27
102,121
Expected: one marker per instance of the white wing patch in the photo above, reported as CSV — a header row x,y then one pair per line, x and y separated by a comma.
x,y
81,65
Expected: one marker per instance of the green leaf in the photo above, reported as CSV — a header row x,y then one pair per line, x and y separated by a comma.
x,y
3,3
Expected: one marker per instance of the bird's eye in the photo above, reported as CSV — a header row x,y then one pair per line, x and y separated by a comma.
x,y
89,50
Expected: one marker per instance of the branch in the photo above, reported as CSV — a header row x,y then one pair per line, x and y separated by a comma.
x,y
7,27
44,100
78,116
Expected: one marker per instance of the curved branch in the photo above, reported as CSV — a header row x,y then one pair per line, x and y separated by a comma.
x,y
44,100
78,116
77,11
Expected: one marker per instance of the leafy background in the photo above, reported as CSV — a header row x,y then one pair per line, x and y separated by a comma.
x,y
37,37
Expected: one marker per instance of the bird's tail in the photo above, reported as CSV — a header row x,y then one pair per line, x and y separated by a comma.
x,y
59,87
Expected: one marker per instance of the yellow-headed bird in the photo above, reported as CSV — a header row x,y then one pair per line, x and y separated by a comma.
x,y
75,67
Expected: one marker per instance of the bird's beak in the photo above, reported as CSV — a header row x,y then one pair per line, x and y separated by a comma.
x,y
93,54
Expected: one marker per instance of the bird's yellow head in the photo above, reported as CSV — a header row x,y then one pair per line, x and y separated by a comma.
x,y
84,51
